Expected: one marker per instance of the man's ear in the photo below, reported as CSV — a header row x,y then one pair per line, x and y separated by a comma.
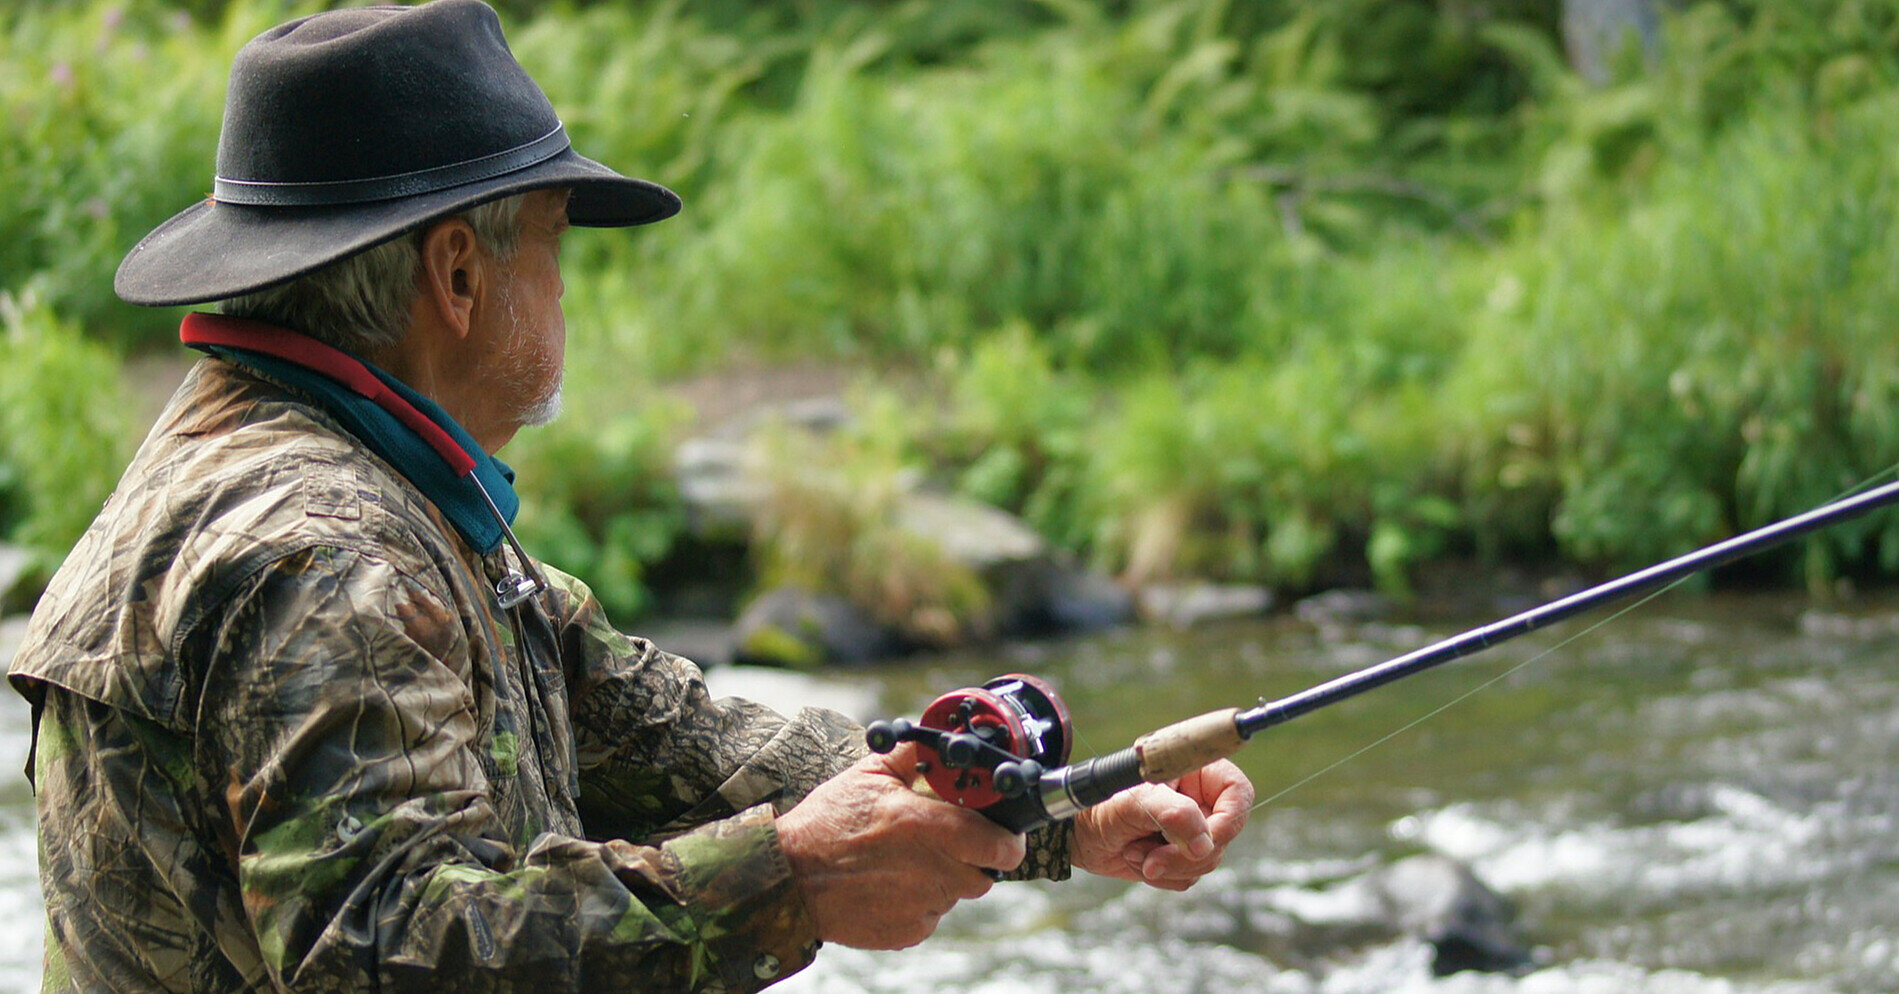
x,y
453,274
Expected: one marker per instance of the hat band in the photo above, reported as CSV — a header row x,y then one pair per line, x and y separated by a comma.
x,y
254,193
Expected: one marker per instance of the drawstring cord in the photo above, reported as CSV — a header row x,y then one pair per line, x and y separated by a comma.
x,y
515,586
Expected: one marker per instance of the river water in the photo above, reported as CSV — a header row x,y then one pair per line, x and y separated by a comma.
x,y
1696,797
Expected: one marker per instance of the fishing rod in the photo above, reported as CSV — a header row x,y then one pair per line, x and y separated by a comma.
x,y
1002,748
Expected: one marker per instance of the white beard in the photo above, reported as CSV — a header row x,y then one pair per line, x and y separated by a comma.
x,y
524,363
545,410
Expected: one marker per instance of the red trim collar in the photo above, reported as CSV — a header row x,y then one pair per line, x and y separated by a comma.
x,y
353,373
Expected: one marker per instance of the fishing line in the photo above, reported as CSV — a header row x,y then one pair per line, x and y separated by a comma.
x,y
1003,748
1461,698
1856,488
1081,739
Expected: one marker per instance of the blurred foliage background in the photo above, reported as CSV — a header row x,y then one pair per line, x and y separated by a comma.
x,y
1289,291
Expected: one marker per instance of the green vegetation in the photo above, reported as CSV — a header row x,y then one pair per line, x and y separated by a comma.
x,y
603,505
61,446
829,522
1284,291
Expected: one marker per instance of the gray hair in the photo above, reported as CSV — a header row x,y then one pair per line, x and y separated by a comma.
x,y
360,303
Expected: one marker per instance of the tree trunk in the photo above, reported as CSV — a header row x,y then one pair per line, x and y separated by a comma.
x,y
1597,32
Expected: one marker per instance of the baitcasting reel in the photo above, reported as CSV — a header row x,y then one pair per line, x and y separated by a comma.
x,y
987,748
1002,749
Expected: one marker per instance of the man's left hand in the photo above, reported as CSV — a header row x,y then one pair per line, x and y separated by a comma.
x,y
1166,836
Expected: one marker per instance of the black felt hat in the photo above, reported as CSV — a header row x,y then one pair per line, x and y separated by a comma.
x,y
347,128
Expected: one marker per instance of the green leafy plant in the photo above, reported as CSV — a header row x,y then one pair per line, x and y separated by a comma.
x,y
61,447
598,501
1284,291
830,521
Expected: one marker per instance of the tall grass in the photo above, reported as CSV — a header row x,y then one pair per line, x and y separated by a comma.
x,y
61,447
831,519
1718,355
111,121
1294,292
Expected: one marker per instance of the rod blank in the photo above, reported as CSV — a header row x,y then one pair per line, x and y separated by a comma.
x,y
1477,639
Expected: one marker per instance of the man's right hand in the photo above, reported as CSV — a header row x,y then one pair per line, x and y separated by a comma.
x,y
880,863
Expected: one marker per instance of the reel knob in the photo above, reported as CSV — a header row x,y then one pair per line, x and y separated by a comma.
x,y
883,736
1012,779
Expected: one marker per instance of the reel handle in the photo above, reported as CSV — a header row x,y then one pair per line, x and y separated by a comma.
x,y
987,748
883,736
1021,792
1014,778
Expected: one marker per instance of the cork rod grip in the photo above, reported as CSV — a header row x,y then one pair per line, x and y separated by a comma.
x,y
1185,746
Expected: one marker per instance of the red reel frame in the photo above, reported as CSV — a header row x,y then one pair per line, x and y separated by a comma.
x,y
980,746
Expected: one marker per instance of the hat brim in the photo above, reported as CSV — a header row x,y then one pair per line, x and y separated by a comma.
x,y
213,251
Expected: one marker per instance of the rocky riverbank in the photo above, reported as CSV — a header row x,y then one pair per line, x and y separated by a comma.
x,y
719,606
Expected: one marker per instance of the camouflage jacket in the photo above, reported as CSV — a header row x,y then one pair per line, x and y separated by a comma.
x,y
287,741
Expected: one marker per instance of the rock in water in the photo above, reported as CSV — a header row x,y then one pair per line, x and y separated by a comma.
x,y
801,630
1440,900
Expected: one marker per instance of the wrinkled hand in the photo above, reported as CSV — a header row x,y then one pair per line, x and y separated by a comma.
x,y
1166,836
879,863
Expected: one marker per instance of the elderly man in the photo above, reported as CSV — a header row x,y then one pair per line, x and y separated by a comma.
x,y
307,717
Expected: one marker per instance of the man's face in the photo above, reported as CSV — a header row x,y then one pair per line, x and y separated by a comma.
x,y
533,343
